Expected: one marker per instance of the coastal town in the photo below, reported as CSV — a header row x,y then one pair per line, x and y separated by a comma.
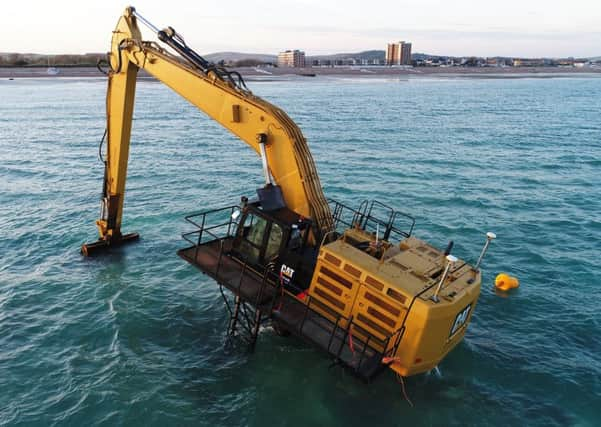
x,y
399,54
396,58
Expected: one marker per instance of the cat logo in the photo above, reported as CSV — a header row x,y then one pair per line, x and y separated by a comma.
x,y
286,274
460,319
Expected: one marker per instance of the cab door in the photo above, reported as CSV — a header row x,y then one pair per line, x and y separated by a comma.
x,y
258,240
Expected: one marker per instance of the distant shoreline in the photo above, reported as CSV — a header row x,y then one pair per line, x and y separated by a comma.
x,y
274,74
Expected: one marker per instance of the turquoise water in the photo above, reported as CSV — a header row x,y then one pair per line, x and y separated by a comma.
x,y
137,337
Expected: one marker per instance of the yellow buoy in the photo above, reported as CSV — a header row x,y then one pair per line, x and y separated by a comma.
x,y
505,282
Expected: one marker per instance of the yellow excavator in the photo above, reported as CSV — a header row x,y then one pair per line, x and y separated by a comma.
x,y
354,282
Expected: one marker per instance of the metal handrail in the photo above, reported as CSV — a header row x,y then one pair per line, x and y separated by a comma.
x,y
264,282
300,329
346,334
203,229
382,205
363,216
395,337
338,215
192,215
410,232
389,225
365,345
361,211
185,236
241,276
333,332
399,335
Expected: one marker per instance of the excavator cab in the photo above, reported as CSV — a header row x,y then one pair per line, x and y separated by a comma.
x,y
275,240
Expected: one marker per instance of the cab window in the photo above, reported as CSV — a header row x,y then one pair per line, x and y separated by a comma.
x,y
274,242
252,237
297,237
256,229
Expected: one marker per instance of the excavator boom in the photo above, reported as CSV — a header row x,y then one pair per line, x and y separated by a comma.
x,y
264,127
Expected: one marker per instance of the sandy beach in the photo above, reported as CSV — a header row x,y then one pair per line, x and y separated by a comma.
x,y
367,72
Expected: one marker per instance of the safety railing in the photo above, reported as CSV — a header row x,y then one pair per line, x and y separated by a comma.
x,y
374,217
219,225
345,336
373,221
212,224
346,217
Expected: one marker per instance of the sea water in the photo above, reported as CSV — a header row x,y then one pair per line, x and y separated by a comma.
x,y
137,337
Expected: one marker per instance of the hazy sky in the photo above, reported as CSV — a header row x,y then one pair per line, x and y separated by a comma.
x,y
454,27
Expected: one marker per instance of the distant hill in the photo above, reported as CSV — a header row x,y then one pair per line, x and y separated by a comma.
x,y
239,56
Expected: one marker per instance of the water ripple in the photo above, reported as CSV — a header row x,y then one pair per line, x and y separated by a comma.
x,y
137,337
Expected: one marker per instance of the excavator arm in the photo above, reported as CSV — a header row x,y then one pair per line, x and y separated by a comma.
x,y
264,127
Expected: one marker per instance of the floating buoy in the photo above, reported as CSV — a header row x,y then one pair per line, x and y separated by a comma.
x,y
505,282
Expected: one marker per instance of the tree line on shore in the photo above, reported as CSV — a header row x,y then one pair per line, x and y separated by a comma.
x,y
86,60
36,60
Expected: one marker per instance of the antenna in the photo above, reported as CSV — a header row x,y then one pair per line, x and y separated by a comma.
x,y
451,259
490,236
